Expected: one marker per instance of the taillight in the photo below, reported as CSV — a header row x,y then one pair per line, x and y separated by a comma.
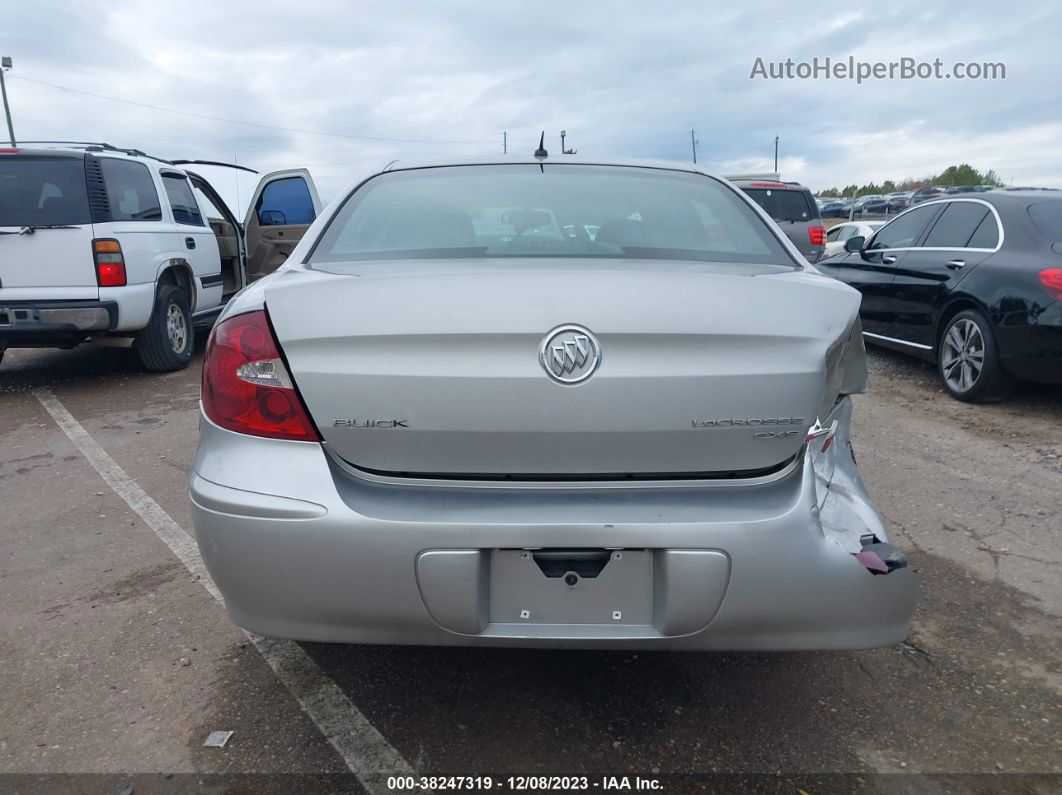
x,y
1052,280
817,235
110,264
247,388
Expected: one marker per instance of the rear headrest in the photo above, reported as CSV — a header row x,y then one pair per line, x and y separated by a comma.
x,y
622,232
433,226
53,203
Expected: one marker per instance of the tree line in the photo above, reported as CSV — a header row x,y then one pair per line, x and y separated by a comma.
x,y
962,174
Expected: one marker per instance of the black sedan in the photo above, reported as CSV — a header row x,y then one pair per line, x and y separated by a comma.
x,y
835,209
877,206
972,284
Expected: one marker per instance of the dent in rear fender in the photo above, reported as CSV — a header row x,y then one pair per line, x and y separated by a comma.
x,y
257,465
856,373
237,502
844,507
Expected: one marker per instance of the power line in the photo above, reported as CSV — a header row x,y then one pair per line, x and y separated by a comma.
x,y
251,123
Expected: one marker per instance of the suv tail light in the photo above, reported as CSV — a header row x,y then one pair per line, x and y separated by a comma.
x,y
110,264
817,235
247,388
1052,280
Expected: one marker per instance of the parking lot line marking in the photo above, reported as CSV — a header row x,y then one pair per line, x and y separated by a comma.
x,y
364,750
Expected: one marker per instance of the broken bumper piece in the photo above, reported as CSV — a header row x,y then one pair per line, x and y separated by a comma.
x,y
879,557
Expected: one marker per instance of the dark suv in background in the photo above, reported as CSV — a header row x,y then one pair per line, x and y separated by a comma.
x,y
925,194
793,208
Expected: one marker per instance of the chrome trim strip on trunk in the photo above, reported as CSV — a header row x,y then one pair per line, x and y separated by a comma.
x,y
471,482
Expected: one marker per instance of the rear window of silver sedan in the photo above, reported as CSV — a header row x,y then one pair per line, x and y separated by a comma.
x,y
547,210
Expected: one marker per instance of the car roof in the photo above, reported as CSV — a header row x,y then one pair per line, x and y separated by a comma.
x,y
1016,197
773,184
496,160
583,160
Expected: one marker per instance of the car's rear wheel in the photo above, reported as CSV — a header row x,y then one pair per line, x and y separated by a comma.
x,y
166,343
968,360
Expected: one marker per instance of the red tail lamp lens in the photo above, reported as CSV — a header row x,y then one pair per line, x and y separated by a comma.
x,y
110,264
1052,280
246,387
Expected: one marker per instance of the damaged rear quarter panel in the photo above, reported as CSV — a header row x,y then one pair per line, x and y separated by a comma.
x,y
845,511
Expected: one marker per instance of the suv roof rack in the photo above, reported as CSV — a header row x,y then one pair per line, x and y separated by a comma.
x,y
211,163
97,146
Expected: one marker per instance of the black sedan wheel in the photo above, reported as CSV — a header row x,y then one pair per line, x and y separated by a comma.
x,y
968,360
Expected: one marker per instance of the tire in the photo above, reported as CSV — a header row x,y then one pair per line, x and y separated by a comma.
x,y
968,360
167,341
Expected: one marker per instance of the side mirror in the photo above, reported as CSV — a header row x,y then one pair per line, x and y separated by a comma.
x,y
854,243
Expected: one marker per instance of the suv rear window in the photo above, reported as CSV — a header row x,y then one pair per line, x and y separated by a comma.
x,y
548,210
43,191
130,190
783,204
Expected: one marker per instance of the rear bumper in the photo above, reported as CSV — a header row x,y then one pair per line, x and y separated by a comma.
x,y
301,548
1034,352
31,324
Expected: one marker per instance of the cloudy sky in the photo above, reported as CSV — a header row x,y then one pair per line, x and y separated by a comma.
x,y
345,87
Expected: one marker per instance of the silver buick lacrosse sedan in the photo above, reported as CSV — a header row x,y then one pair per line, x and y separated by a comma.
x,y
544,402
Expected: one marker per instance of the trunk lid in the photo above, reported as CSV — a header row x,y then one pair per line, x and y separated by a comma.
x,y
434,368
45,227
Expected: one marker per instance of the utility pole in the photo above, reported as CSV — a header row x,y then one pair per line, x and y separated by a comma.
x,y
505,142
776,154
5,63
693,144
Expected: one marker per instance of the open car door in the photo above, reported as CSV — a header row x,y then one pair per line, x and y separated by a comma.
x,y
284,205
226,229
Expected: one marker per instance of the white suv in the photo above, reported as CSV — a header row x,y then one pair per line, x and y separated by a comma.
x,y
113,246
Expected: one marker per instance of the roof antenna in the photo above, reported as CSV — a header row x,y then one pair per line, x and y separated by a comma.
x,y
541,151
